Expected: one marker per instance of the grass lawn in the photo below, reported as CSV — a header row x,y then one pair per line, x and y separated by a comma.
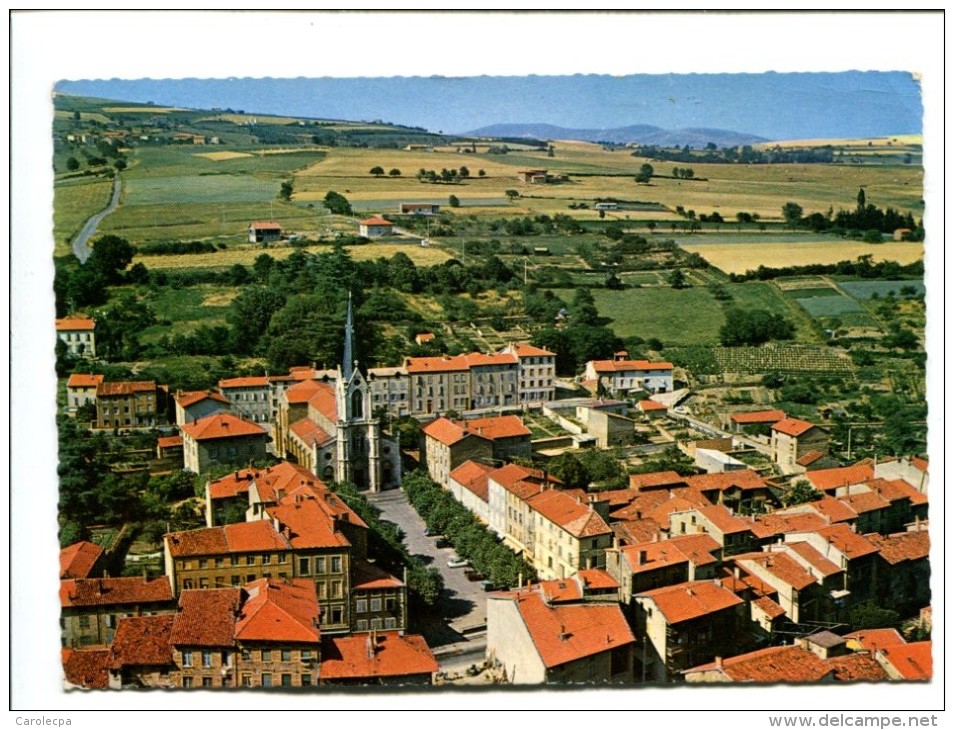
x,y
675,316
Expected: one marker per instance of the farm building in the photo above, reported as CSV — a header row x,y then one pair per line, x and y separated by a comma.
x,y
419,209
606,206
532,176
264,232
624,375
792,439
375,226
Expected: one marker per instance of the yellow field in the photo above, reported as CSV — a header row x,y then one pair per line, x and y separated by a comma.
x,y
220,299
247,255
140,109
737,258
224,155
900,139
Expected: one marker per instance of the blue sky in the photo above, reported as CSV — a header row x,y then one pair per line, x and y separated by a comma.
x,y
771,105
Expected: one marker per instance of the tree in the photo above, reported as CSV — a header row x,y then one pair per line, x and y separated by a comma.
x,y
861,199
120,163
463,172
676,279
286,190
754,327
453,201
72,164
645,173
249,315
111,255
337,203
567,468
394,172
801,491
377,170
481,173
512,194
792,213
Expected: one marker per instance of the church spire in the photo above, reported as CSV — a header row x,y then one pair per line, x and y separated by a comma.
x,y
348,358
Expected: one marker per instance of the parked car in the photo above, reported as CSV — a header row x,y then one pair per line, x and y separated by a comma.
x,y
457,562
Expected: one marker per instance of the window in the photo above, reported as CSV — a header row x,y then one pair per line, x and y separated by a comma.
x,y
206,659
187,584
322,590
390,604
375,604
187,681
203,582
286,680
362,624
84,622
337,614
207,681
187,658
246,655
266,655
203,563
306,680
286,655
246,680
304,566
250,560
390,623
233,560
266,559
377,623
266,680
236,580
336,564
219,562
282,558
361,606
336,589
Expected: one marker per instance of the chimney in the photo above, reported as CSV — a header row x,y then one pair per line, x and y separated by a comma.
x,y
718,662
520,579
642,554
689,591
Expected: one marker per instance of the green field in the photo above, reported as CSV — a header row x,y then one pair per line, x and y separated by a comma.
x,y
74,201
689,316
180,311
868,289
829,306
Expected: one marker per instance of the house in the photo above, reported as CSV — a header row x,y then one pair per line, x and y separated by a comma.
x,y
169,447
539,641
264,232
903,571
133,404
685,625
141,653
469,483
78,333
195,404
828,480
567,534
252,490
422,338
788,664
493,380
533,176
717,462
733,534
623,376
793,438
448,444
86,668
755,422
537,369
419,209
509,437
250,398
651,408
81,560
742,489
508,489
796,589
221,439
375,227
378,658
81,391
90,608
910,662
438,384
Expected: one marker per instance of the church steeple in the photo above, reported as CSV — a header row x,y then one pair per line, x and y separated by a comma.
x,y
348,358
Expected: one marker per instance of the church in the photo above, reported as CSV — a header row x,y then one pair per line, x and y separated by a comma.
x,y
326,424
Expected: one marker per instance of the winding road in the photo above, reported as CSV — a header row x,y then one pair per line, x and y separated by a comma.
x,y
81,247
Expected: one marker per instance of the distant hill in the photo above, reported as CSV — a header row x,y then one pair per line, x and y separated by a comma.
x,y
643,134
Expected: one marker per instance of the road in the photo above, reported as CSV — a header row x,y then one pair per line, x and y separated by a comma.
x,y
81,248
458,634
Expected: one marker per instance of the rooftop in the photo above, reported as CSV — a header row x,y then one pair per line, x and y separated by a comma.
x,y
104,390
758,417
793,426
872,639
75,322
220,426
902,546
911,661
241,537
142,641
78,559
367,656
577,518
81,592
253,381
278,611
828,479
83,380
617,366
691,600
206,617
774,664
87,667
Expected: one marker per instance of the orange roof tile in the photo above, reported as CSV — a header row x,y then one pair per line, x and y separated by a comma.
x,y
743,479
191,397
724,520
251,381
525,350
78,559
367,656
834,510
75,593
76,322
774,664
616,366
828,479
770,525
498,427
897,489
309,521
436,364
873,639
578,519
912,661
596,579
655,479
564,633
902,546
630,532
862,502
691,600
83,380
376,221
87,667
310,433
474,477
809,458
561,590
168,442
758,417
650,405
479,359
220,426
324,401
653,555
241,537
793,426
280,612
781,566
847,541
919,463
206,617
446,431
302,391
514,477
105,390
366,576
264,225
652,505
813,558
142,641
858,667
769,607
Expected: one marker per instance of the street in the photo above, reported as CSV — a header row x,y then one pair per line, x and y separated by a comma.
x,y
81,247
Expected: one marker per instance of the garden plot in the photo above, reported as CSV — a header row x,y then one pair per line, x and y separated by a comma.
x,y
829,306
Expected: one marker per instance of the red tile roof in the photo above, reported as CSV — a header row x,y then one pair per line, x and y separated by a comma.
x,y
366,576
758,417
474,477
779,565
498,427
774,664
834,510
814,559
206,617
828,479
280,612
105,390
310,433
862,502
113,591
769,607
919,463
691,600
616,366
310,520
241,537
302,391
655,479
83,380
897,489
743,479
220,426
142,641
809,458
793,426
872,639
78,559
561,590
845,540
576,518
376,221
168,442
367,656
859,667
252,381
912,661
522,481
647,556
324,401
633,531
525,350
650,405
479,359
723,520
770,525
76,322
436,364
191,397
596,579
445,431
563,633
264,225
87,667
902,546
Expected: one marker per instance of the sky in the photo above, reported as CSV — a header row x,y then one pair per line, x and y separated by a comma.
x,y
777,106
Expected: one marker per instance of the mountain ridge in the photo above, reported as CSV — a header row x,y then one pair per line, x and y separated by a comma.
x,y
643,134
